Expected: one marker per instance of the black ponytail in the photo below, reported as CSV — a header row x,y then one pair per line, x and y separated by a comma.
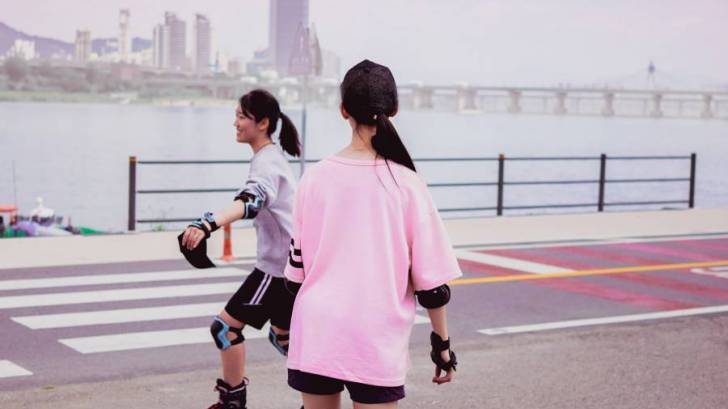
x,y
259,104
388,144
369,94
289,136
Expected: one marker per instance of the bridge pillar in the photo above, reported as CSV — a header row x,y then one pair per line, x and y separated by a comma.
x,y
656,106
422,98
707,106
608,109
560,103
466,99
515,106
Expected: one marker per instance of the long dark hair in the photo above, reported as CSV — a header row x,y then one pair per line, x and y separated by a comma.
x,y
258,104
369,95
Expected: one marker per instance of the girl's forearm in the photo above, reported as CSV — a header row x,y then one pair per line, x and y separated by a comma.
x,y
231,213
438,319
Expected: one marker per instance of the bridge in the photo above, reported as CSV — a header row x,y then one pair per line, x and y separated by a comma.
x,y
472,99
647,93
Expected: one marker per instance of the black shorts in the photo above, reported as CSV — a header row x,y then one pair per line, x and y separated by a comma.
x,y
262,297
359,392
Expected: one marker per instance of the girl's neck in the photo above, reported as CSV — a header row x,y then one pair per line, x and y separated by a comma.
x,y
259,143
360,146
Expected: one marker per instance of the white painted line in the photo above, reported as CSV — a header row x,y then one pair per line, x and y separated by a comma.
x,y
606,320
589,242
155,339
149,339
720,272
9,369
119,316
510,263
145,293
120,278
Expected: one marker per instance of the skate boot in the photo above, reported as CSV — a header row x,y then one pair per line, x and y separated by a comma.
x,y
231,397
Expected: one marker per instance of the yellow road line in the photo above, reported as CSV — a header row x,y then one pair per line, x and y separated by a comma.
x,y
592,272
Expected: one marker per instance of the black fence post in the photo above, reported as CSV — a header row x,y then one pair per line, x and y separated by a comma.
x,y
132,193
693,160
602,181
501,166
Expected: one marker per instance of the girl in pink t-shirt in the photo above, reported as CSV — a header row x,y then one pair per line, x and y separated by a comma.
x,y
367,239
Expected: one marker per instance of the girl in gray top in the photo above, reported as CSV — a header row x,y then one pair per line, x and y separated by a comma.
x,y
267,197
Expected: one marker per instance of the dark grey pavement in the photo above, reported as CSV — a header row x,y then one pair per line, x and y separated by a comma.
x,y
678,362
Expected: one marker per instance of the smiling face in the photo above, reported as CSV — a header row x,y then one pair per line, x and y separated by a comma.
x,y
246,127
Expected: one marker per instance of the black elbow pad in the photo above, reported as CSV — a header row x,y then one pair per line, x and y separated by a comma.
x,y
435,298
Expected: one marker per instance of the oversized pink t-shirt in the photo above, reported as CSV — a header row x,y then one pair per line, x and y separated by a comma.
x,y
362,244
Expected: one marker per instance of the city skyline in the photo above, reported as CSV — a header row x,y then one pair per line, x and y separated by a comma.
x,y
488,42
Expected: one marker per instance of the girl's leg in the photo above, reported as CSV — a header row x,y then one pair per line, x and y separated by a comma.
x,y
233,358
322,401
389,405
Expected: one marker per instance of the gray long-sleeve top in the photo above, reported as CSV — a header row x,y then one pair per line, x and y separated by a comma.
x,y
272,179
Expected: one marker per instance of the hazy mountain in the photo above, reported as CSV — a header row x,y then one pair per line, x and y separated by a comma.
x,y
44,47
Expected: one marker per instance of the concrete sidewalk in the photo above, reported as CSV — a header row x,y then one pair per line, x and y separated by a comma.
x,y
56,251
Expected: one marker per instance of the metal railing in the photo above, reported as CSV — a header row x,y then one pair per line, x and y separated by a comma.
x,y
500,183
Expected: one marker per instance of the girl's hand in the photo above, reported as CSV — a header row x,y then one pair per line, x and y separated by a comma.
x,y
192,237
448,377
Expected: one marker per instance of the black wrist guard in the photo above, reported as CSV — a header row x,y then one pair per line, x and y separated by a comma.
x,y
198,224
438,345
210,219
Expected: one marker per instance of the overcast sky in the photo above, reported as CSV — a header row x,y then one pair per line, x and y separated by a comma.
x,y
489,42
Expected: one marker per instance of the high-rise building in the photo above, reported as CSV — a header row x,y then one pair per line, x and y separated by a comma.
x,y
82,46
330,65
124,38
177,41
203,43
160,46
287,17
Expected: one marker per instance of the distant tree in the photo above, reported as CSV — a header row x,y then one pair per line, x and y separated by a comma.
x,y
46,70
16,69
93,75
75,84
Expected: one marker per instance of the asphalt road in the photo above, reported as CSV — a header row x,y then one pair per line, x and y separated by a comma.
x,y
616,324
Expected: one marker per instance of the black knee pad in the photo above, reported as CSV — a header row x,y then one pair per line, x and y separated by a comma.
x,y
435,298
219,330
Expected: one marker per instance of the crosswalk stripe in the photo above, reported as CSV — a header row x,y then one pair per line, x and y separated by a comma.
x,y
510,263
79,319
31,283
155,339
149,339
9,369
419,319
146,293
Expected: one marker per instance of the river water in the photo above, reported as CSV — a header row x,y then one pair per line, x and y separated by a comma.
x,y
75,156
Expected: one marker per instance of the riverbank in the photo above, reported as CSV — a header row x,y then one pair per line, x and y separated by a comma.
x,y
114,98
